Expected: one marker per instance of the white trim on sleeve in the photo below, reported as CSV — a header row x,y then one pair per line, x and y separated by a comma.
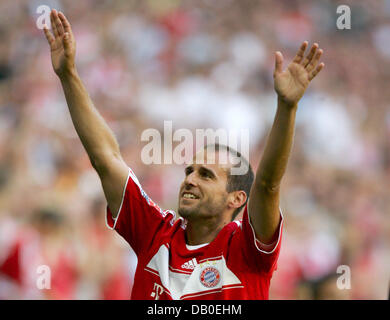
x,y
120,208
254,235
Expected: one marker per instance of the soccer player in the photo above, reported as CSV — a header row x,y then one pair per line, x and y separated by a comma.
x,y
204,254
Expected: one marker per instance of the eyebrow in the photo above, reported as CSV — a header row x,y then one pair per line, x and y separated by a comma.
x,y
188,168
209,171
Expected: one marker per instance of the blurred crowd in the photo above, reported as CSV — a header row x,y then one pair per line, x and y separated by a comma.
x,y
201,64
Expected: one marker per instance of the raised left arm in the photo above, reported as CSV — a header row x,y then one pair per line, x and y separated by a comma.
x,y
290,85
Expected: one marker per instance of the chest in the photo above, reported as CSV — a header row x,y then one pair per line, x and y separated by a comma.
x,y
189,276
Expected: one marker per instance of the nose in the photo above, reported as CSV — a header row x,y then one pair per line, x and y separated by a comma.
x,y
190,180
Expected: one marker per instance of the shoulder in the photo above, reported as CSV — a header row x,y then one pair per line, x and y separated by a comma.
x,y
229,230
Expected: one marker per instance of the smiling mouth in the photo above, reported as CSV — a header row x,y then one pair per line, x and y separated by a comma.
x,y
188,195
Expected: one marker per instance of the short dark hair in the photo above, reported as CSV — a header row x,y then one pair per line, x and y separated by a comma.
x,y
236,182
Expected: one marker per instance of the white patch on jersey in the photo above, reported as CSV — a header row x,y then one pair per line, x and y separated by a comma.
x,y
181,284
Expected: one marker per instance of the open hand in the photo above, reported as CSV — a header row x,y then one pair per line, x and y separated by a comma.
x,y
290,85
62,44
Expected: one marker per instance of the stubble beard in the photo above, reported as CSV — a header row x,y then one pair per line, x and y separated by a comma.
x,y
208,209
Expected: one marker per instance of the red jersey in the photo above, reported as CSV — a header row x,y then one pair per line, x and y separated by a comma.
x,y
235,265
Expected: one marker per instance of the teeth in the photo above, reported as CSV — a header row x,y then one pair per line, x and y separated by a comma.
x,y
189,196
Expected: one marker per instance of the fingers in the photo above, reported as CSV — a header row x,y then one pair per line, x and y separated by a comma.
x,y
61,30
314,61
310,56
58,23
53,25
66,42
278,62
310,63
316,71
49,36
65,22
299,56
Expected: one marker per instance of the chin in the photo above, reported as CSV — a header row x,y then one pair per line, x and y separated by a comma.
x,y
185,212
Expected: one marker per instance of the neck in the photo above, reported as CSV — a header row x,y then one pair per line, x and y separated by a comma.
x,y
201,231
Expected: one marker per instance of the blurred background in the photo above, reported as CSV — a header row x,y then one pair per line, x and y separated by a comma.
x,y
201,64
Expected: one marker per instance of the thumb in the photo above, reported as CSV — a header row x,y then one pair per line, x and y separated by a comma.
x,y
278,62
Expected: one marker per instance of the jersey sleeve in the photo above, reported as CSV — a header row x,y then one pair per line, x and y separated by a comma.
x,y
262,257
139,219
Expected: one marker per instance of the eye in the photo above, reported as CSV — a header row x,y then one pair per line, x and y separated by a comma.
x,y
188,170
206,174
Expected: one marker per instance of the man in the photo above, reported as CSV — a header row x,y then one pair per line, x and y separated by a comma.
x,y
203,254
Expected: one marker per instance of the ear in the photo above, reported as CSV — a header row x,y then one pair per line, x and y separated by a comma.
x,y
236,199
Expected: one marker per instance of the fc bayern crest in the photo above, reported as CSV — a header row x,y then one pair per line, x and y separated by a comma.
x,y
210,277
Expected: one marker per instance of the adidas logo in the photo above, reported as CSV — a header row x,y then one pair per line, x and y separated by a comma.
x,y
191,264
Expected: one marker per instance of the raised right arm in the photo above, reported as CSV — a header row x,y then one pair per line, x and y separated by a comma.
x,y
95,135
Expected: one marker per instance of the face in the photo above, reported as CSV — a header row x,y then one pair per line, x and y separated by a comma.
x,y
203,192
